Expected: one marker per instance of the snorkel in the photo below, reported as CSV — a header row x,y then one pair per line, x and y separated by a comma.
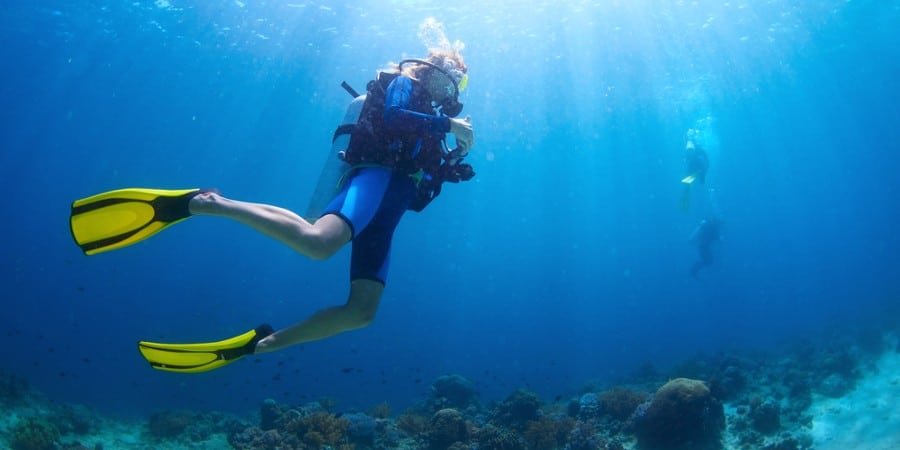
x,y
450,105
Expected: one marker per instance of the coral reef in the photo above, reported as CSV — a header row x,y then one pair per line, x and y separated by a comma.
x,y
587,407
381,411
13,389
454,391
269,413
412,423
73,419
548,433
306,427
361,428
771,406
34,433
764,415
320,428
517,410
169,424
445,428
619,403
681,414
494,438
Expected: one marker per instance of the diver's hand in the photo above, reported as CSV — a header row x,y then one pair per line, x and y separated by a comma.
x,y
462,129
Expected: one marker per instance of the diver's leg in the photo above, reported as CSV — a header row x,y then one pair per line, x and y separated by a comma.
x,y
369,263
358,312
318,241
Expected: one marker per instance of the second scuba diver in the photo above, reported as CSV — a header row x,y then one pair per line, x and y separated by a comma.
x,y
706,233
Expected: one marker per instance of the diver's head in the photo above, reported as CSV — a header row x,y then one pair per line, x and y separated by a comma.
x,y
448,75
443,74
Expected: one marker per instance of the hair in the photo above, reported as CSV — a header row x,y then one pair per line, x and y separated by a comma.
x,y
439,58
441,52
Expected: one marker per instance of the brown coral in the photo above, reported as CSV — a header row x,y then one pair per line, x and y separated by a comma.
x,y
620,402
412,424
332,430
446,427
547,434
381,411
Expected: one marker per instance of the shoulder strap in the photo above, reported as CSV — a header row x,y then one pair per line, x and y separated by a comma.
x,y
382,81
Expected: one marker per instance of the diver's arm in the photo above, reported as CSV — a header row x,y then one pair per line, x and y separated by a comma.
x,y
398,118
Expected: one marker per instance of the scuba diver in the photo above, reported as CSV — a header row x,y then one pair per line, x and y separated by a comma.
x,y
397,158
696,161
706,233
697,164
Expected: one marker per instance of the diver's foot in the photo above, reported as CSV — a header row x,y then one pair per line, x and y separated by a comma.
x,y
206,202
266,344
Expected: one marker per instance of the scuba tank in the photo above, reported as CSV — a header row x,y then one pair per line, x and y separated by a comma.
x,y
333,173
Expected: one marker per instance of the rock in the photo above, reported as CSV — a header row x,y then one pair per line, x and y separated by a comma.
x,y
517,409
446,427
588,406
361,429
682,414
457,391
765,416
835,385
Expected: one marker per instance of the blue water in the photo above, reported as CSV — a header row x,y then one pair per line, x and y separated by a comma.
x,y
565,260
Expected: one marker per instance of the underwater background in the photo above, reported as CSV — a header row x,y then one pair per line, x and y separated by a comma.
x,y
565,261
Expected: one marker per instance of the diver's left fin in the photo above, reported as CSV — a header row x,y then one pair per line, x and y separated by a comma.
x,y
202,357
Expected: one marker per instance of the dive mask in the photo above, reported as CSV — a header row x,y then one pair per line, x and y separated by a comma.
x,y
458,81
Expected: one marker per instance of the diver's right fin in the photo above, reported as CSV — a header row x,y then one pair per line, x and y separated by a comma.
x,y
689,179
119,218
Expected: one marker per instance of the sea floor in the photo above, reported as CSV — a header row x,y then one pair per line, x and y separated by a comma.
x,y
864,414
867,417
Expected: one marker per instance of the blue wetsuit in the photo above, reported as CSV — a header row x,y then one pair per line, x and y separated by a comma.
x,y
374,199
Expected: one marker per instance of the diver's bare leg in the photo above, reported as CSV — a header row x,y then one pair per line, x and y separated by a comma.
x,y
358,312
317,241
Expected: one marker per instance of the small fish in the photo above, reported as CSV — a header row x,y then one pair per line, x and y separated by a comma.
x,y
418,380
347,370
